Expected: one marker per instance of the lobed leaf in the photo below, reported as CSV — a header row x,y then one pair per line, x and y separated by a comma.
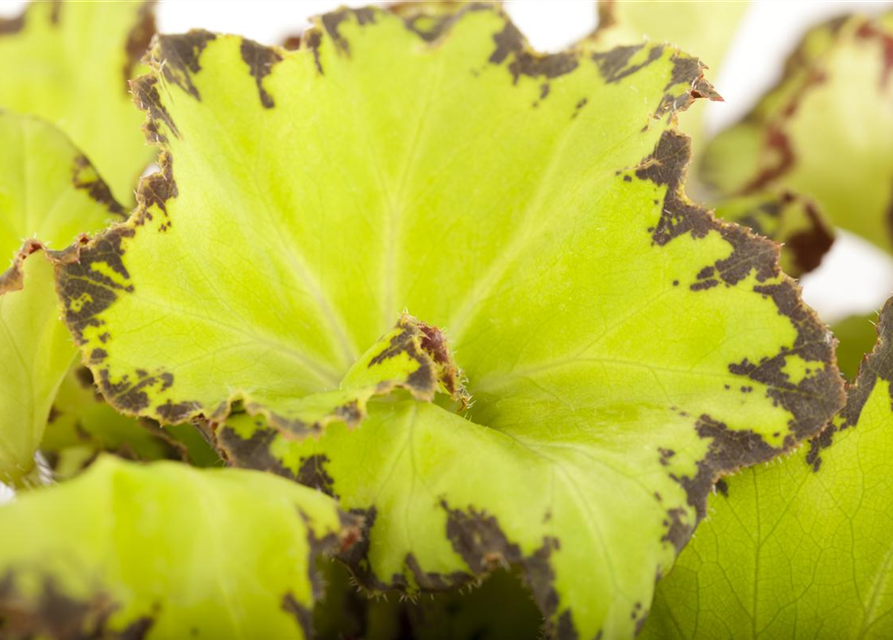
x,y
163,550
801,548
49,195
624,349
70,63
825,131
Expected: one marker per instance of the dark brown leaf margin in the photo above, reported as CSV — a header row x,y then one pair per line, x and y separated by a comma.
x,y
807,247
876,365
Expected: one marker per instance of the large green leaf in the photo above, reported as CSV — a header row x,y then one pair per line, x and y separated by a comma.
x,y
164,551
70,62
826,131
49,194
799,549
622,347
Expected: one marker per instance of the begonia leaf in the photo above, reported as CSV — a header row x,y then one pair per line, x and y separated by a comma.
x,y
622,348
799,548
49,195
164,551
826,131
70,63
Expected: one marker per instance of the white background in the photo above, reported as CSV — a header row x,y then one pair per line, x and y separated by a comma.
x,y
854,277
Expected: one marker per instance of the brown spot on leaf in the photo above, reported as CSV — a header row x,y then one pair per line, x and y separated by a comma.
x,y
251,453
870,31
303,615
614,65
729,450
332,21
429,26
176,412
526,62
156,189
313,40
50,613
10,26
177,57
147,99
260,61
131,397
877,365
312,473
86,292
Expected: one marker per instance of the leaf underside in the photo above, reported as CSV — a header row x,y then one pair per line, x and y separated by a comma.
x,y
800,548
306,197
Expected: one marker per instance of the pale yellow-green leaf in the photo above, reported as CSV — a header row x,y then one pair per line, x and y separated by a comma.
x,y
69,62
49,195
164,551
